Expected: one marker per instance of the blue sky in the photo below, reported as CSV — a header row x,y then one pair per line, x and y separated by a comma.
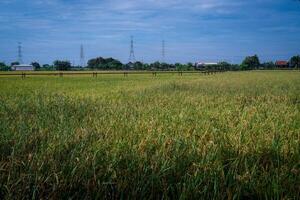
x,y
194,30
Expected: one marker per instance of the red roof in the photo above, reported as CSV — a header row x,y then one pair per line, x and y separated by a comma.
x,y
281,62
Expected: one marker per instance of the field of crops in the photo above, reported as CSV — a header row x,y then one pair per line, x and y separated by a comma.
x,y
225,136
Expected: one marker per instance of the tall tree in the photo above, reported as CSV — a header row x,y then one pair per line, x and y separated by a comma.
x,y
250,62
295,61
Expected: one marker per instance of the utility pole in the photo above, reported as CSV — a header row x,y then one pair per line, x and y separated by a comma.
x,y
20,60
131,56
163,51
82,57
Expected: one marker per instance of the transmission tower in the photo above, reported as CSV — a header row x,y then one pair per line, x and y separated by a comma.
x,y
131,56
82,58
163,53
20,60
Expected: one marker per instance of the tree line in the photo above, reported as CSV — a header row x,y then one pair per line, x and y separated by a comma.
x,y
100,63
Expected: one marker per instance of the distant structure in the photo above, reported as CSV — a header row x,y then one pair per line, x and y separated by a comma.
x,y
23,67
131,56
163,53
282,64
82,57
20,59
203,65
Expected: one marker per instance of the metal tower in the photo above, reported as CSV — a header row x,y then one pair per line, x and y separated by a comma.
x,y
20,60
82,58
131,56
163,53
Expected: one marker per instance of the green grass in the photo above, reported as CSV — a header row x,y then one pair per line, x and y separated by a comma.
x,y
224,136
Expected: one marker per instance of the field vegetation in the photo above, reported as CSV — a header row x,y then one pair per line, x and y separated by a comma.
x,y
233,135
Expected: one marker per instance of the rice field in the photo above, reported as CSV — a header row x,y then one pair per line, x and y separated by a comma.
x,y
234,135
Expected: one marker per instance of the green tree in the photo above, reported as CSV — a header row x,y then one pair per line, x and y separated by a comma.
x,y
268,65
190,66
146,66
36,65
295,61
138,65
172,67
14,63
3,67
224,65
105,64
179,67
164,66
128,66
235,67
62,65
155,66
47,67
96,63
114,65
250,62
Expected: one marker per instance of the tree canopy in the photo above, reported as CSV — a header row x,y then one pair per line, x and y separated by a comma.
x,y
105,64
4,67
36,65
268,65
100,63
62,65
295,61
250,62
14,63
224,65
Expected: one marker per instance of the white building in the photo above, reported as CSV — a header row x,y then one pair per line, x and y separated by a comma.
x,y
23,67
203,65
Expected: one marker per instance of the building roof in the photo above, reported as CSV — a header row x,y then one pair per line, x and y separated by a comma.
x,y
281,62
204,63
210,63
23,65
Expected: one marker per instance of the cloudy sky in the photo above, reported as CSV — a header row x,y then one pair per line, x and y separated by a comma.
x,y
204,30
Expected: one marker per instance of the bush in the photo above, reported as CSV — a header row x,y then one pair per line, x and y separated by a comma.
x,y
62,65
3,67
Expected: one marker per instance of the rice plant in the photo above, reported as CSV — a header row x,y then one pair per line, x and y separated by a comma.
x,y
225,136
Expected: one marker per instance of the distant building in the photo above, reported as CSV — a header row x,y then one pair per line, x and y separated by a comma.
x,y
282,64
23,67
203,65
